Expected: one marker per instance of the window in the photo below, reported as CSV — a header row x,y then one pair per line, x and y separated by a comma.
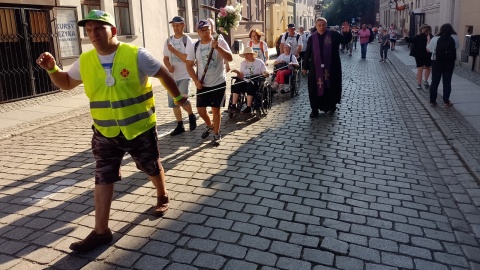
x,y
257,10
8,26
122,17
87,6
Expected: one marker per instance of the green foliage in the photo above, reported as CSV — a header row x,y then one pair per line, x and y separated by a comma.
x,y
338,11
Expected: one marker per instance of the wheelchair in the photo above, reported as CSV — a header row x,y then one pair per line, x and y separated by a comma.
x,y
293,79
262,101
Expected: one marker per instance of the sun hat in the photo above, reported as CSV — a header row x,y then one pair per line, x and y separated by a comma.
x,y
203,23
177,19
248,50
97,15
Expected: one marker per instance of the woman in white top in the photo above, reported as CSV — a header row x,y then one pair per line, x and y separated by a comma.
x,y
258,45
284,65
252,71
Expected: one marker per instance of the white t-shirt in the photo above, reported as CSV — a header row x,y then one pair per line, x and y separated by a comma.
x,y
305,37
216,69
292,41
180,68
250,69
287,59
148,65
258,48
432,46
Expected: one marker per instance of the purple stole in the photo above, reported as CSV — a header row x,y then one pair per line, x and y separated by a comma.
x,y
322,60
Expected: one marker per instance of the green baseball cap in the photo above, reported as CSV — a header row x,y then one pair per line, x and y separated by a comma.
x,y
97,15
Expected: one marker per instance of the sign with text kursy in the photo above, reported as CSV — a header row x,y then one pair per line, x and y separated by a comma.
x,y
68,33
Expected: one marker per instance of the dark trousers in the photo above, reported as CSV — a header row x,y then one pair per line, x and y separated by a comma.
x,y
384,51
364,49
441,72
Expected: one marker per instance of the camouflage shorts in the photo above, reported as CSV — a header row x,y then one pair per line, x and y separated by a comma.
x,y
109,152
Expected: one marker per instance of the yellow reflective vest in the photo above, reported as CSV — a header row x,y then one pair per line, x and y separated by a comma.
x,y
127,106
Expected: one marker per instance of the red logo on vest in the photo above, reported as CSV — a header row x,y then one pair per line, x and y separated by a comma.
x,y
124,73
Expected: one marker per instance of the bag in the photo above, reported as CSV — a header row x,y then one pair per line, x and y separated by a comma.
x,y
412,49
445,50
372,36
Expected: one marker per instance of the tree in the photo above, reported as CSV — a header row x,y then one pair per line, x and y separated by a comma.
x,y
338,11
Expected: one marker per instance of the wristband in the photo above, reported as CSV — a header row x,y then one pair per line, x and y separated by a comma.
x,y
53,70
178,98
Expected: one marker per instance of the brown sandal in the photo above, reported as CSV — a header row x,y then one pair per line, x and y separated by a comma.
x,y
163,204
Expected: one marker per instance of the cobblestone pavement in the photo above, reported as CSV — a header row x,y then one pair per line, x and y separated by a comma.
x,y
376,186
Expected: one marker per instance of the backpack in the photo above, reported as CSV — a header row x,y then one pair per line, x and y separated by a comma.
x,y
286,36
184,40
445,50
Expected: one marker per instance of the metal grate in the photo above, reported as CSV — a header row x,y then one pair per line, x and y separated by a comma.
x,y
24,35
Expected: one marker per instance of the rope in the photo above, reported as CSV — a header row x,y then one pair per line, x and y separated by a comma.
x,y
249,80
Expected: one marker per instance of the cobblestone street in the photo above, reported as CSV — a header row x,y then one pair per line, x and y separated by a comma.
x,y
386,183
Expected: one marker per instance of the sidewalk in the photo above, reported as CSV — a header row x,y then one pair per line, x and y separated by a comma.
x,y
465,94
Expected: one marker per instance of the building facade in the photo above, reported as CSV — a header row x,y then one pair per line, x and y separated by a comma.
x,y
409,15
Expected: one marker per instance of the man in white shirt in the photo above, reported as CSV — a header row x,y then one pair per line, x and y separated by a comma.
x,y
210,91
305,36
294,39
175,56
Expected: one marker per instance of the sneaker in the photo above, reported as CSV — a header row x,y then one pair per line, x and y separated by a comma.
x,y
163,204
206,132
419,86
349,54
178,130
92,241
381,61
426,84
216,140
448,104
247,110
434,103
192,122
314,114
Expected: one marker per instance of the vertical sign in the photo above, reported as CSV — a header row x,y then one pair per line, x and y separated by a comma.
x,y
68,33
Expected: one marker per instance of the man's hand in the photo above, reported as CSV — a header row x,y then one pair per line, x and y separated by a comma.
x,y
215,44
46,61
182,102
171,48
198,84
171,69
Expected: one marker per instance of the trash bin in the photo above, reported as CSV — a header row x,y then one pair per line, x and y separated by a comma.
x,y
237,46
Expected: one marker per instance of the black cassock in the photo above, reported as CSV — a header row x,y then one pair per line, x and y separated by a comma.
x,y
332,95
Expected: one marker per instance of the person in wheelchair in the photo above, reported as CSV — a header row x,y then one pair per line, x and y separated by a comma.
x,y
252,72
284,65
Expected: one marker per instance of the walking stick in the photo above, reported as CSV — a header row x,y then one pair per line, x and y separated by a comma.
x,y
205,69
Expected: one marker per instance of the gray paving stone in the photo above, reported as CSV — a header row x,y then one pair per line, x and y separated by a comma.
x,y
255,242
293,264
304,240
201,244
260,257
353,238
397,260
210,261
473,253
342,262
334,245
422,264
450,259
183,255
364,253
150,262
237,264
416,252
230,250
318,256
382,244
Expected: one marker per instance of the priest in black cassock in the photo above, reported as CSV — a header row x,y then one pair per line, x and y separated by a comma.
x,y
322,61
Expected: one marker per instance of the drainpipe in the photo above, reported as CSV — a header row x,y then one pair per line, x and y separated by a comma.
x,y
143,29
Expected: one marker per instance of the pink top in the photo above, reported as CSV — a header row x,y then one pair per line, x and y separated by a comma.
x,y
364,35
